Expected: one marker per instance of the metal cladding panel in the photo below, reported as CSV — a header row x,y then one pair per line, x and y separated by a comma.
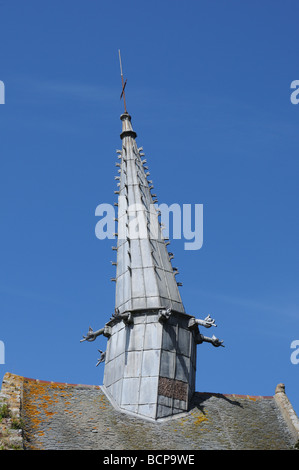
x,y
154,302
163,255
182,369
148,410
122,206
161,280
121,260
172,286
135,337
153,336
184,342
137,281
167,367
136,254
151,362
130,391
133,364
146,258
148,390
150,282
169,338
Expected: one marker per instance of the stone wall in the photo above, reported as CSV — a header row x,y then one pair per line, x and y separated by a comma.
x,y
11,434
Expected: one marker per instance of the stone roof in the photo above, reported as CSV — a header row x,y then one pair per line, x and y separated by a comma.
x,y
67,416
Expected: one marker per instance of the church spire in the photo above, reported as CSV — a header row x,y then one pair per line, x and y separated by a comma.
x,y
145,278
150,361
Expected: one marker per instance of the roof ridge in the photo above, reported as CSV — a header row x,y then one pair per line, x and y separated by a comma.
x,y
235,395
60,383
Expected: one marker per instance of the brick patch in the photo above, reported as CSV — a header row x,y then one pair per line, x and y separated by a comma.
x,y
173,389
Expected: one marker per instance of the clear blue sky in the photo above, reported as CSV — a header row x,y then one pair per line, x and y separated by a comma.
x,y
209,94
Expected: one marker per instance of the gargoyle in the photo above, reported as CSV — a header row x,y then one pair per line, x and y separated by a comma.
x,y
214,341
207,322
102,358
92,335
164,314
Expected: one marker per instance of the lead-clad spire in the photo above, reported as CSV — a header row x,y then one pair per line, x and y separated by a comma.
x,y
150,361
145,278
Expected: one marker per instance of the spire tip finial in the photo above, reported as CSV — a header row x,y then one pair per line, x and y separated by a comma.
x,y
123,83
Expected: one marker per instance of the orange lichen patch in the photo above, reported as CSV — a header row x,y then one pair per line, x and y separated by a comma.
x,y
40,401
200,419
